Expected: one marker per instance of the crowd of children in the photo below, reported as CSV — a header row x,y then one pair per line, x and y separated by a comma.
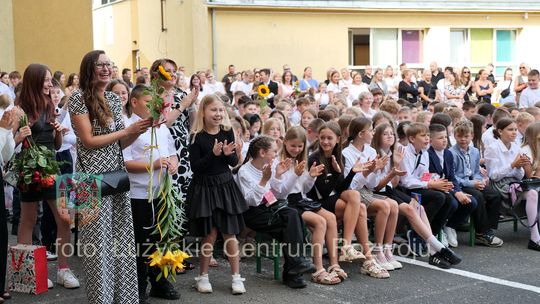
x,y
418,154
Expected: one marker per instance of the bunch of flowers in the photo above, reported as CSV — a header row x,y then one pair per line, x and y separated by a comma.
x,y
170,211
296,90
35,166
262,93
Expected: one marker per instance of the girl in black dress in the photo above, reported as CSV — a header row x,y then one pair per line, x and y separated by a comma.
x,y
35,102
216,202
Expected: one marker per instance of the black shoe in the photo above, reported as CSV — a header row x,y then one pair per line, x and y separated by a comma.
x,y
452,257
438,260
164,289
294,281
534,245
301,266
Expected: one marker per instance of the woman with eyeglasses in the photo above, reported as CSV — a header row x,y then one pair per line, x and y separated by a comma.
x,y
521,81
107,229
467,82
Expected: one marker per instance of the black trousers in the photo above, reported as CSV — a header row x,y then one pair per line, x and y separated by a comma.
x,y
288,229
437,205
486,215
3,239
143,218
48,223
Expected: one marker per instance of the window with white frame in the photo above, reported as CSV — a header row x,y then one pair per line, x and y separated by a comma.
x,y
459,41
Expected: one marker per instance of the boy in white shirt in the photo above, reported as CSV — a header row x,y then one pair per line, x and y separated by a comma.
x,y
531,94
136,158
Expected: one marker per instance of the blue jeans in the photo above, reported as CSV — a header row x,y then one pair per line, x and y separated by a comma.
x,y
460,212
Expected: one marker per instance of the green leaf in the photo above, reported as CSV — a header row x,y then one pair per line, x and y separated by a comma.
x,y
27,179
42,162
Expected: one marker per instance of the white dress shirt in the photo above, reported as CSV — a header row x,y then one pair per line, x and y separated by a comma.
x,y
498,160
351,155
416,165
139,151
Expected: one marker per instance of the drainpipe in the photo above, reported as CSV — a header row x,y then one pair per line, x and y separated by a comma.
x,y
214,50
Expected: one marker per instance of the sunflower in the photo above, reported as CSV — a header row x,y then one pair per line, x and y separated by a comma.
x,y
164,73
263,90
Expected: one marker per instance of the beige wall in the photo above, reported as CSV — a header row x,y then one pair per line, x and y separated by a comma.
x,y
55,32
250,38
7,42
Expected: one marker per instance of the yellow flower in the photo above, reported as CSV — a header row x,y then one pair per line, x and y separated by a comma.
x,y
263,90
156,258
164,73
296,83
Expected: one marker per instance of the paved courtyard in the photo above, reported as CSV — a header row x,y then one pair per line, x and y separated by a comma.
x,y
510,274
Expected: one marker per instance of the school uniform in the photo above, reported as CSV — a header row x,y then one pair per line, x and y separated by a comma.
x,y
300,186
351,155
329,185
284,224
437,204
467,172
388,190
442,164
145,212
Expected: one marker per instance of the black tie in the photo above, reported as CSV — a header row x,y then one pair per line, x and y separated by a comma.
x,y
419,155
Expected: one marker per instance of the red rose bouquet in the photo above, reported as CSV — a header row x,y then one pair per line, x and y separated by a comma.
x,y
35,166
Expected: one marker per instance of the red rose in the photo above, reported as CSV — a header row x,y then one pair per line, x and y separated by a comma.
x,y
26,144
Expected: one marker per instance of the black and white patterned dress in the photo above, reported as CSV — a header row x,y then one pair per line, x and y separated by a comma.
x,y
107,235
180,134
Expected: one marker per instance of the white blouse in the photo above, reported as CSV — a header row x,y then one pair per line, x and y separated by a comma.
x,y
351,155
499,158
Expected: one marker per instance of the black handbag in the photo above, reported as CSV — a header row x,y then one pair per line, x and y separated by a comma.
x,y
307,204
506,92
114,182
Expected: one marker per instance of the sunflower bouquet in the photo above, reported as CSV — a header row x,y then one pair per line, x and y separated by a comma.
x,y
262,93
170,214
296,90
35,167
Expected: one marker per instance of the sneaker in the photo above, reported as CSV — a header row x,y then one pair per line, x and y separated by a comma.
x,y
371,268
488,239
438,260
444,238
534,245
238,285
451,236
452,257
67,279
349,254
50,284
203,284
381,260
390,259
51,256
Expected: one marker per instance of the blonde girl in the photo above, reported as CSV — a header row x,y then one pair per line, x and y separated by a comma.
x,y
212,154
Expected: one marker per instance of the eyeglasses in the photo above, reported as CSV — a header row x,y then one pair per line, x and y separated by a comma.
x,y
103,65
466,72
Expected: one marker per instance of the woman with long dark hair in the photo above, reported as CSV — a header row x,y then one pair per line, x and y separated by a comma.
x,y
35,101
96,115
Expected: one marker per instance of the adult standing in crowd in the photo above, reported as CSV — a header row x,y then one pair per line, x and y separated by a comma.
x,y
126,77
521,81
368,75
97,120
307,81
228,79
436,73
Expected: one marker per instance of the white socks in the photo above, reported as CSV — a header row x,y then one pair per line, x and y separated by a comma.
x,y
532,213
434,245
